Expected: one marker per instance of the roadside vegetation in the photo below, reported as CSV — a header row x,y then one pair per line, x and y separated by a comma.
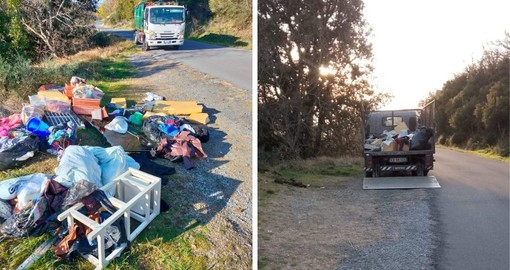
x,y
226,23
486,153
472,108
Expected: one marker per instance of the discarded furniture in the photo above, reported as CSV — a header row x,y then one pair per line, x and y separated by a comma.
x,y
136,195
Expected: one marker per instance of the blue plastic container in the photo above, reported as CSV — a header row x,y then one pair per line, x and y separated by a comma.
x,y
38,127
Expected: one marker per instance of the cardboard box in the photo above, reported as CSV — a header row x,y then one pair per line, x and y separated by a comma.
x,y
68,90
87,110
389,147
86,102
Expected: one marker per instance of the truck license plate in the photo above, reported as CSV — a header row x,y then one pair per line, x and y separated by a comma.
x,y
168,42
398,160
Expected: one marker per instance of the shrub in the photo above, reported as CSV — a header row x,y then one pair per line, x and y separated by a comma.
x,y
100,39
458,138
16,76
50,72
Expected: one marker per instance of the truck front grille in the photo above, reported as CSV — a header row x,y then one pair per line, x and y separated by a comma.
x,y
167,35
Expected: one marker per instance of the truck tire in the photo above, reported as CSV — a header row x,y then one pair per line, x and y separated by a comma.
x,y
368,174
135,40
145,46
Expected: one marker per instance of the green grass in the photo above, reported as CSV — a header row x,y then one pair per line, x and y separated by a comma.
x,y
221,40
233,32
487,153
313,172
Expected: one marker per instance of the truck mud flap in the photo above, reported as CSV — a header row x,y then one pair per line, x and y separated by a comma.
x,y
404,182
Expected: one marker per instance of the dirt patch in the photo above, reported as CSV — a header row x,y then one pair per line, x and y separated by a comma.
x,y
340,226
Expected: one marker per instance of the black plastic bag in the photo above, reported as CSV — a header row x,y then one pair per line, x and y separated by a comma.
x,y
151,128
17,154
421,138
200,133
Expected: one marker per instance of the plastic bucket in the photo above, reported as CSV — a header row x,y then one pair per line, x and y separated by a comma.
x,y
38,127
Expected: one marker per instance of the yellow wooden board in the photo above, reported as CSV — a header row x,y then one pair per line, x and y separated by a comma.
x,y
53,95
175,103
201,118
119,102
177,107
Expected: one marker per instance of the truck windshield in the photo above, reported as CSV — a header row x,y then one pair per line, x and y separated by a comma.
x,y
389,122
166,15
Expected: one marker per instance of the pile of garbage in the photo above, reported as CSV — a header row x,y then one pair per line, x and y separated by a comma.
x,y
50,123
399,139
175,127
29,205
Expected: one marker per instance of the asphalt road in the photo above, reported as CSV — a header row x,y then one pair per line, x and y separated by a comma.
x,y
227,64
472,208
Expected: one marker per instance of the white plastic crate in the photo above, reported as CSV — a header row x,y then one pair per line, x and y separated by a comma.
x,y
136,195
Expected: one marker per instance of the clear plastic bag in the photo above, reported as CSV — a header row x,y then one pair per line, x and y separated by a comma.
x,y
87,91
81,189
30,111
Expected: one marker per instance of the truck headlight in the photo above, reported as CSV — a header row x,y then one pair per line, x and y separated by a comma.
x,y
181,34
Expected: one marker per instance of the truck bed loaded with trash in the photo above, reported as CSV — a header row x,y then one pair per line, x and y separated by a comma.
x,y
90,202
399,142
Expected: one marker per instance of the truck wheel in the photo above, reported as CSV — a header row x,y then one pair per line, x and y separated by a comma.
x,y
145,46
368,174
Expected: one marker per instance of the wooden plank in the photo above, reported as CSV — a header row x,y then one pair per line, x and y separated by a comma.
x,y
201,118
38,252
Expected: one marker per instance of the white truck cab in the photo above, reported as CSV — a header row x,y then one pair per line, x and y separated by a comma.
x,y
159,25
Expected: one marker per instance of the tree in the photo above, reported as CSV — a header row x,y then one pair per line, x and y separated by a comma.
x,y
313,89
58,27
17,34
473,107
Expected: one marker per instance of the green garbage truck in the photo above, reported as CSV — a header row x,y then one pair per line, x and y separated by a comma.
x,y
159,24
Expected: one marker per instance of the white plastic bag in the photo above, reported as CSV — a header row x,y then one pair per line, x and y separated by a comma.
x,y
10,188
113,161
119,124
78,163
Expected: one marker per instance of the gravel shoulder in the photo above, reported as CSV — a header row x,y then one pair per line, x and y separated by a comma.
x,y
218,191
341,226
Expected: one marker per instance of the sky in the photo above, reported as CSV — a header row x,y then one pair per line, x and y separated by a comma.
x,y
419,45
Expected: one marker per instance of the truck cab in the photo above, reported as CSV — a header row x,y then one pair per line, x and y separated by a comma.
x,y
159,24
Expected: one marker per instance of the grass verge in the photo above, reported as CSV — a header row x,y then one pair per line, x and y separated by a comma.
x,y
224,32
481,153
314,173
